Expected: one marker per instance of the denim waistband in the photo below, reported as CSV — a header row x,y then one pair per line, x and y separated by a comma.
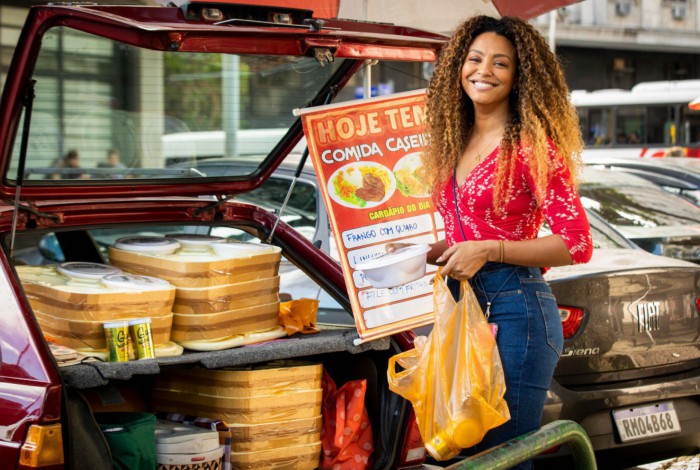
x,y
493,266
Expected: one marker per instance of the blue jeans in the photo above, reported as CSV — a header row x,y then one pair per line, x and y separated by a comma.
x,y
530,341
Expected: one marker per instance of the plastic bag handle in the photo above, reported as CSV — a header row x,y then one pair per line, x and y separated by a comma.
x,y
463,284
440,278
393,376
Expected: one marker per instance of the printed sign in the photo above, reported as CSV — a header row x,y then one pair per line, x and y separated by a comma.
x,y
368,159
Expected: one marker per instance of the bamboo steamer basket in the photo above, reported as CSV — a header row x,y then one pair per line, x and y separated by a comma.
x,y
281,407
303,457
239,382
71,301
51,290
226,297
218,264
281,391
214,326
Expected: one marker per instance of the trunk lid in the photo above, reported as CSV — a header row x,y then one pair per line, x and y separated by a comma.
x,y
640,317
86,80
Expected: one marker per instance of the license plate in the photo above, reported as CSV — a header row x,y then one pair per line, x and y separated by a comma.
x,y
646,421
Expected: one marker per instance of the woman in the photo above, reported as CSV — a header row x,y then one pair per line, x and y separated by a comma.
x,y
504,146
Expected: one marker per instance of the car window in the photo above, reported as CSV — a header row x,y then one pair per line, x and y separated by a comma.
x,y
692,195
638,206
604,236
225,105
88,124
301,209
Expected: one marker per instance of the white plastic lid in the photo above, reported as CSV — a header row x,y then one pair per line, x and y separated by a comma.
x,y
135,282
194,238
194,242
115,324
397,256
84,270
138,321
190,459
158,245
186,437
236,248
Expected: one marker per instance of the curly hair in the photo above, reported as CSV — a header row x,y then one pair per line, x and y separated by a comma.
x,y
539,109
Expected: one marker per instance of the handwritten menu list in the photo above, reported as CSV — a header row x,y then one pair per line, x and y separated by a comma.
x,y
368,159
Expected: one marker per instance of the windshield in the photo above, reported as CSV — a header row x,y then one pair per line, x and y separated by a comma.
x,y
638,206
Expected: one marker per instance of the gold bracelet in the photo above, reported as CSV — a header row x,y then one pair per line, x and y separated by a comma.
x,y
502,249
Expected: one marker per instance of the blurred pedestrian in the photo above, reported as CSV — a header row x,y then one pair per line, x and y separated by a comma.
x,y
113,161
70,163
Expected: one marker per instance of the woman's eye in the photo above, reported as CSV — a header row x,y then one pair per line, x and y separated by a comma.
x,y
474,60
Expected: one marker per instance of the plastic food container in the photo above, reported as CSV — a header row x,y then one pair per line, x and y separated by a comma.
x,y
234,248
163,257
396,268
151,245
194,242
93,272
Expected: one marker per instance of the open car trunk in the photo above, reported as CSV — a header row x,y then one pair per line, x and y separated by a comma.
x,y
106,116
332,346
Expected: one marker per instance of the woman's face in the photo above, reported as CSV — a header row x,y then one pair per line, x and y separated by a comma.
x,y
488,73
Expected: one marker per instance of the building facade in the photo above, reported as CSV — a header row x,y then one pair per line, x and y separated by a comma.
x,y
618,43
602,43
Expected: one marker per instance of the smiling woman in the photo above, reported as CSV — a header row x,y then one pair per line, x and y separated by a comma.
x,y
502,156
109,77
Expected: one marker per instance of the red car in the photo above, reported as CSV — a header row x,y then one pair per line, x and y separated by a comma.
x,y
87,80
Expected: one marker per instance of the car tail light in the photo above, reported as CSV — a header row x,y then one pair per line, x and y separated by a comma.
x,y
692,152
571,320
43,447
283,18
413,449
212,14
228,11
697,305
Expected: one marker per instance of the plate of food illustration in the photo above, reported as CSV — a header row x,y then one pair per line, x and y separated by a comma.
x,y
411,179
361,185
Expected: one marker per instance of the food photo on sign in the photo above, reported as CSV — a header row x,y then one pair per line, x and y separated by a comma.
x,y
367,155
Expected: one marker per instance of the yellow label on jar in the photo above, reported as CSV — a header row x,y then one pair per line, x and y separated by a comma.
x,y
142,338
116,339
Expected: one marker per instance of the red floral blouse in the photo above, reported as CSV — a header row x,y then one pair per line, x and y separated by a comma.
x,y
523,214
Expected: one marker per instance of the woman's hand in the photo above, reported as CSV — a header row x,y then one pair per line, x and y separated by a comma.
x,y
436,249
463,260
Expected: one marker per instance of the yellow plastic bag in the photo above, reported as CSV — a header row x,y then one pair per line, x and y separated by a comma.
x,y
298,316
453,377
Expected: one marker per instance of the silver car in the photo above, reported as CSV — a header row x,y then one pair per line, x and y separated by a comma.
x,y
657,221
